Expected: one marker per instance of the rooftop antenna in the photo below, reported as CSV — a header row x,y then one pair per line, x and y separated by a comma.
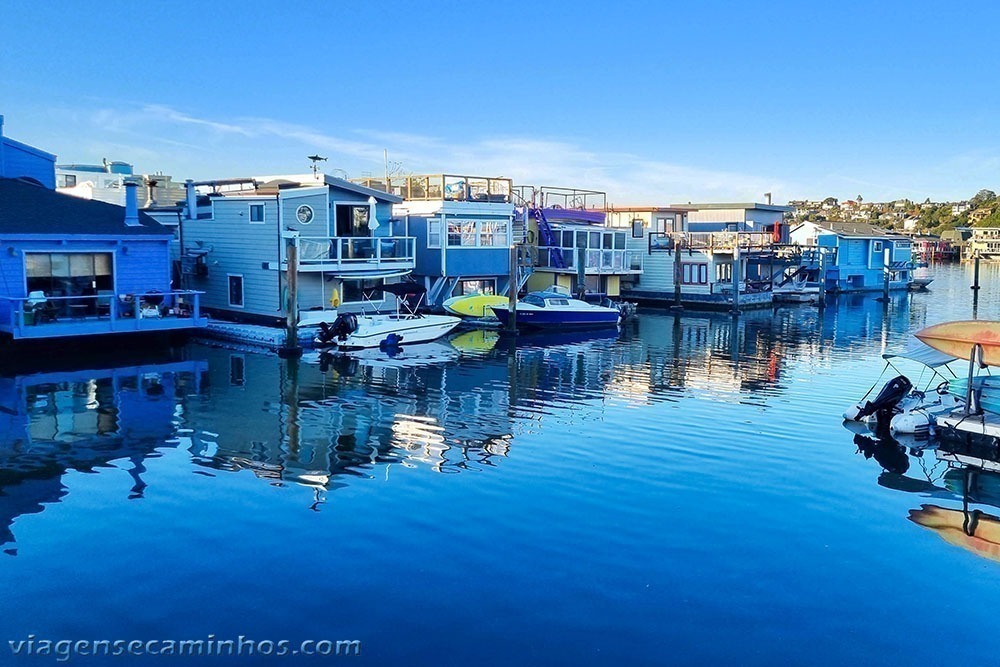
x,y
316,159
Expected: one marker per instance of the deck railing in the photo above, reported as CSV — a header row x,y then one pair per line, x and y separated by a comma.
x,y
597,260
444,187
43,316
712,241
326,253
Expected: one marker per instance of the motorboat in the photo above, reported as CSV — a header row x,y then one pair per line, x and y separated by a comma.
x,y
406,326
796,293
920,284
899,407
556,309
476,306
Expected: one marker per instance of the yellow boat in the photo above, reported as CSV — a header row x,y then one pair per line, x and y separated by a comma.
x,y
474,305
957,338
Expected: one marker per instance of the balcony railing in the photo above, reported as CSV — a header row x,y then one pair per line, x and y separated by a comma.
x,y
597,261
346,253
40,316
446,187
712,241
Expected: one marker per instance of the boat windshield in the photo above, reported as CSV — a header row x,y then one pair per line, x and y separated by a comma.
x,y
533,300
558,302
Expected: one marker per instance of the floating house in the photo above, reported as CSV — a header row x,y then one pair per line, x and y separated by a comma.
x,y
575,246
984,243
75,268
709,259
463,226
106,182
858,255
234,236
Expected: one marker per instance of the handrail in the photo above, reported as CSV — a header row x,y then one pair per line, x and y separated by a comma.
x,y
325,250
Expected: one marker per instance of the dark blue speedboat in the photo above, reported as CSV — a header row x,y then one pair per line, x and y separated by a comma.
x,y
554,310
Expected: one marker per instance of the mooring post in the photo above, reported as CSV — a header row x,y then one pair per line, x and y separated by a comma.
x,y
887,262
291,347
822,278
737,277
512,291
975,271
678,274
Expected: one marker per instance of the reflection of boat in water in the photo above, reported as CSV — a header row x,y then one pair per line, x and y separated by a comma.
x,y
899,406
403,356
919,284
476,306
970,529
475,342
557,310
406,326
553,338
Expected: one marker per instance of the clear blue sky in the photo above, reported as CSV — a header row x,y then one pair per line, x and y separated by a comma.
x,y
654,102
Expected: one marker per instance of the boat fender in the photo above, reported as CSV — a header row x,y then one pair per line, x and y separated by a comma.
x,y
391,341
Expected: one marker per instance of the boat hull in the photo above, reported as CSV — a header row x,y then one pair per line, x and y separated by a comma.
x,y
958,338
560,319
372,331
475,305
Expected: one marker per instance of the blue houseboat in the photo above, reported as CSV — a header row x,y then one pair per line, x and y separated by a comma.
x,y
464,227
857,255
73,267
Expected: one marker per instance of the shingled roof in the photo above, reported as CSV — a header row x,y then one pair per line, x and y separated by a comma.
x,y
27,208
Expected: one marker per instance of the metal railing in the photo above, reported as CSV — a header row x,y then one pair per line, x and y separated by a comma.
x,y
97,313
446,187
344,252
596,261
712,241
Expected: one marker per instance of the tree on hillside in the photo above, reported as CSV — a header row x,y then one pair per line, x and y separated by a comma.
x,y
982,197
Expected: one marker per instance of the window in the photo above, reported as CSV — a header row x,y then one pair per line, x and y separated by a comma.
x,y
476,287
619,240
257,213
66,180
68,274
236,291
567,239
493,233
360,290
433,233
694,274
478,233
608,241
724,273
637,229
876,246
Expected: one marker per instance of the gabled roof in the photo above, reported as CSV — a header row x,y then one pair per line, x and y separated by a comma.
x,y
856,229
27,208
335,182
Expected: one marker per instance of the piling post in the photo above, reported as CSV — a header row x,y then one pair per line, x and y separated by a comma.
x,y
887,255
512,291
678,274
975,271
291,347
737,277
822,278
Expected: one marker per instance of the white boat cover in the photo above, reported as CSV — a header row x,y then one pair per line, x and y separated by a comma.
x,y
921,353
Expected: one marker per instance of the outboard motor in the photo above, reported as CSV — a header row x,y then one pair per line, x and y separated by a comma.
x,y
882,406
342,327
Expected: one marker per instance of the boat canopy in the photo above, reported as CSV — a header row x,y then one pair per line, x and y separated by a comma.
x,y
921,353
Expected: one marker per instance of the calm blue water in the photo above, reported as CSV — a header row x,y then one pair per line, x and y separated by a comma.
x,y
683,494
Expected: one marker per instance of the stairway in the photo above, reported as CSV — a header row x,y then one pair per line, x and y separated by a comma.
x,y
547,239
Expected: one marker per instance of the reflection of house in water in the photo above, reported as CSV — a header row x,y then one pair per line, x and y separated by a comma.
x,y
55,422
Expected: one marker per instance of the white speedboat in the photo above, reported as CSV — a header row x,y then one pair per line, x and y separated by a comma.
x,y
406,326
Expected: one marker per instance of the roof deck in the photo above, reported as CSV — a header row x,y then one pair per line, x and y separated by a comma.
x,y
444,187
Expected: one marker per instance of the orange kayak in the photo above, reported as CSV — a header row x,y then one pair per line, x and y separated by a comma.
x,y
957,339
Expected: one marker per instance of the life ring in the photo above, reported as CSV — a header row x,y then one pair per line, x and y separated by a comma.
x,y
530,237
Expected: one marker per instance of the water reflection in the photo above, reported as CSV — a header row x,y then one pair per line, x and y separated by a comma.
x,y
447,407
82,421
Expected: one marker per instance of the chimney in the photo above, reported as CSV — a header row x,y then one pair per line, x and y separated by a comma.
x,y
192,199
767,196
131,204
151,184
